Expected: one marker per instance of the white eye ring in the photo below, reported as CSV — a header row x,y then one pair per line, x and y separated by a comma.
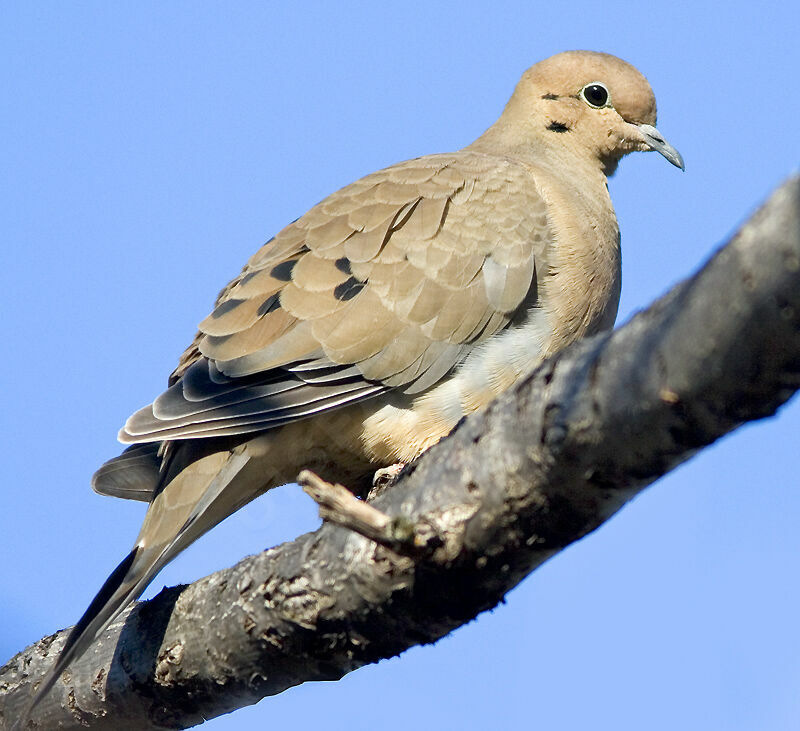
x,y
596,95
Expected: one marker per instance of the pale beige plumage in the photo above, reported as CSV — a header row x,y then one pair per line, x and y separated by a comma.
x,y
365,330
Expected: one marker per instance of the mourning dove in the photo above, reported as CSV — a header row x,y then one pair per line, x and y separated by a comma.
x,y
364,331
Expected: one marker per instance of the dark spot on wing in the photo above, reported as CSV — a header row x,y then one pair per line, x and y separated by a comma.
x,y
343,265
283,271
550,96
558,127
225,307
269,305
217,340
348,289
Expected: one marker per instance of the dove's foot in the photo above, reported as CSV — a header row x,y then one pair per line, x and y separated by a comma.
x,y
384,478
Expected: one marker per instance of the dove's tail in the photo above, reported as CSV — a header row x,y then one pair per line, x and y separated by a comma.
x,y
124,585
136,474
170,526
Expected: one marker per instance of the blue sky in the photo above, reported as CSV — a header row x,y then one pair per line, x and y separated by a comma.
x,y
149,148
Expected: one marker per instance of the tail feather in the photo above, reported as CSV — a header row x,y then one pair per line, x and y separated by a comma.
x,y
133,475
165,535
115,594
125,585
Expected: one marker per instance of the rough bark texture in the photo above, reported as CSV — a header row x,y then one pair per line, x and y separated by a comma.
x,y
547,463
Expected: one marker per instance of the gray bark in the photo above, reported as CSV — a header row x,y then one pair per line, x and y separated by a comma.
x,y
547,463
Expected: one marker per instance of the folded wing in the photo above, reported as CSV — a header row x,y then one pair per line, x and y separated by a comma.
x,y
386,284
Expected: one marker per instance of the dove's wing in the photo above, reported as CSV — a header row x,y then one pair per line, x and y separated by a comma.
x,y
386,284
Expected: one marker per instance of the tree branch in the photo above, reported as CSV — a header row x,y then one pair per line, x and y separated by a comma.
x,y
338,505
544,465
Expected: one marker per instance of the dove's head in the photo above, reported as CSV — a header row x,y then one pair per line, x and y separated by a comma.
x,y
587,103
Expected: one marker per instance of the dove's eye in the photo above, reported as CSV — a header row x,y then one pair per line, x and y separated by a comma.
x,y
596,95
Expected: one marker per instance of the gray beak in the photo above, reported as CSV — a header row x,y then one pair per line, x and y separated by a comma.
x,y
653,138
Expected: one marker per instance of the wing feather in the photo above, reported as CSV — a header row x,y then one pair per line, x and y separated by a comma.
x,y
386,284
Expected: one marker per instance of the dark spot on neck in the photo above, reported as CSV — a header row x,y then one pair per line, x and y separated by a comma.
x,y
558,127
550,96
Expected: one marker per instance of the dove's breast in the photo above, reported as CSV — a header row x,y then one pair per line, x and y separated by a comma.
x,y
575,293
